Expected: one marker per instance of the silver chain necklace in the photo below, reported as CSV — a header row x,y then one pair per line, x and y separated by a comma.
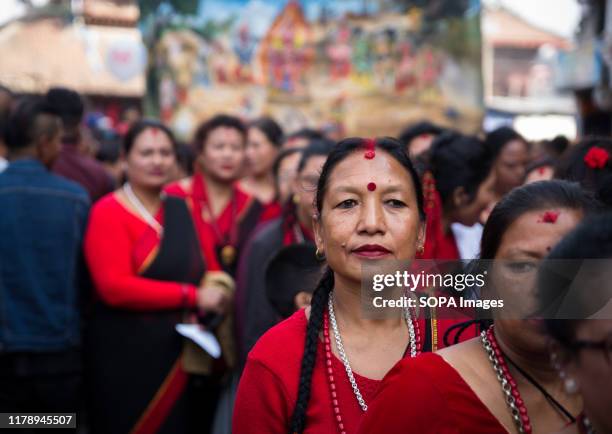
x,y
344,357
588,426
144,213
505,385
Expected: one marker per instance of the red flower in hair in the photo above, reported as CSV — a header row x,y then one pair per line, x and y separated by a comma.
x,y
596,158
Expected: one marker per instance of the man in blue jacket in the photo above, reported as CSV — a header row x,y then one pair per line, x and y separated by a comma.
x,y
42,221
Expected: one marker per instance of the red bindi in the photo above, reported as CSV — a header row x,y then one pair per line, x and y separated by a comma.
x,y
549,217
371,186
154,131
541,170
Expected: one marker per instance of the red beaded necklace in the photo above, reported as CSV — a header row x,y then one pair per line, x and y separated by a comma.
x,y
330,374
330,371
510,388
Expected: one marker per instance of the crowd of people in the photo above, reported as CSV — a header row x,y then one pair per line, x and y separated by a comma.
x,y
259,236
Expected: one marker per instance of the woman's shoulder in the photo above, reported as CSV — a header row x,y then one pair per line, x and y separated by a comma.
x,y
181,188
107,205
107,215
282,342
464,356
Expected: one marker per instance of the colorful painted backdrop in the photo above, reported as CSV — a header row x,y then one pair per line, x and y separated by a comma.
x,y
351,67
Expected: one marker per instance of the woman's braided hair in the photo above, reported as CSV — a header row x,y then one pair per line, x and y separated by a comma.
x,y
320,296
318,304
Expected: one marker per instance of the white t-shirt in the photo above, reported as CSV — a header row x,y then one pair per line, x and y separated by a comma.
x,y
467,239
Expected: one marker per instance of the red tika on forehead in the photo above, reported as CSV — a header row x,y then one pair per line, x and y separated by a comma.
x,y
549,217
371,186
369,144
154,131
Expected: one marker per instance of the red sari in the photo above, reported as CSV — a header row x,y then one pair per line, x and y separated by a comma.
x,y
268,388
143,281
426,395
119,246
232,227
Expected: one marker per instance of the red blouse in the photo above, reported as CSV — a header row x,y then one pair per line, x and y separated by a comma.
x,y
268,388
118,245
271,211
224,226
426,395
441,246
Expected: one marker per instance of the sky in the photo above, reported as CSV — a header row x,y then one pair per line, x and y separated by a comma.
x,y
10,9
13,8
560,16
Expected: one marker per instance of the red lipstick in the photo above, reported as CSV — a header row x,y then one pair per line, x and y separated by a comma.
x,y
371,251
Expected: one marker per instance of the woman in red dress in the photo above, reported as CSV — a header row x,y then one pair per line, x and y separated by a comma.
x,y
319,369
149,272
503,381
224,215
254,313
265,137
458,187
574,292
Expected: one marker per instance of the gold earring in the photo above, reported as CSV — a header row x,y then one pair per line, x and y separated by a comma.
x,y
319,255
296,199
420,249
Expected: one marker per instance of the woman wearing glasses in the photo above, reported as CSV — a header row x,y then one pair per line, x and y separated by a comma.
x,y
582,348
